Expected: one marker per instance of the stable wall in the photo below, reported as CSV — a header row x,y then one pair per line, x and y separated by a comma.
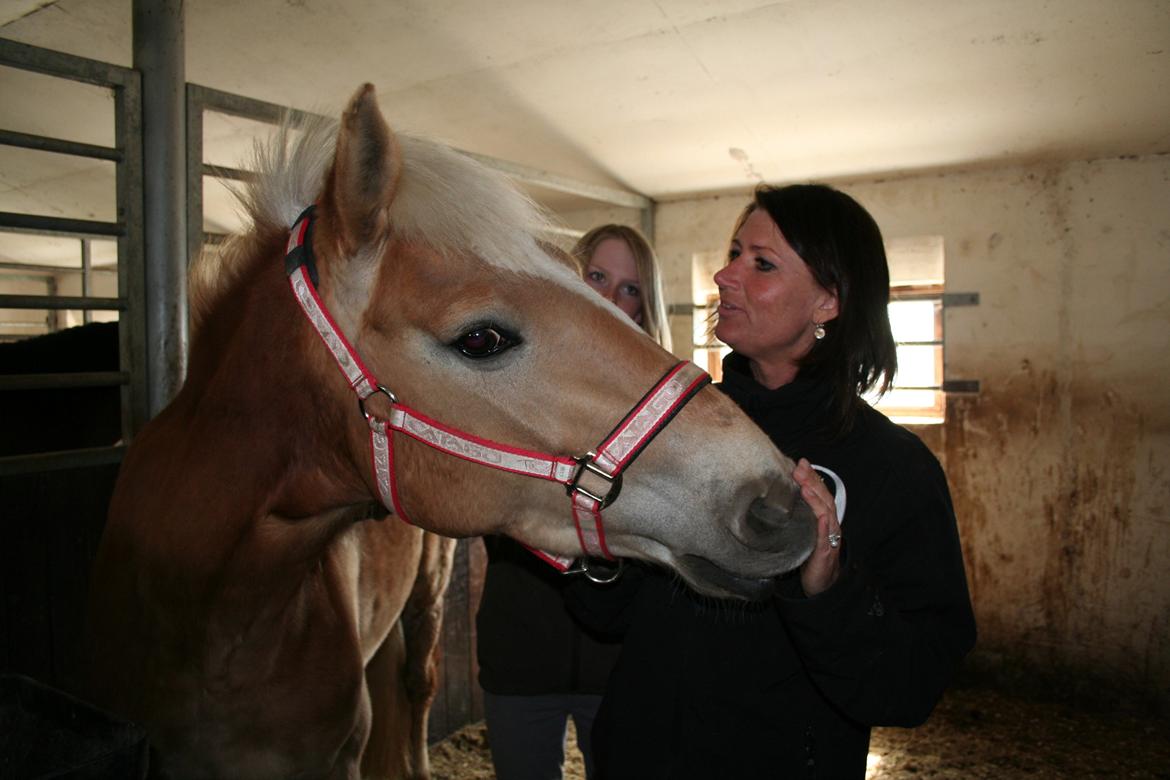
x,y
1059,465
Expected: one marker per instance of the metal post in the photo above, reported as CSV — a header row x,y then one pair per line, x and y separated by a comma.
x,y
86,277
160,56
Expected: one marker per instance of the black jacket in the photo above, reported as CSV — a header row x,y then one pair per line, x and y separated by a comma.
x,y
791,687
527,643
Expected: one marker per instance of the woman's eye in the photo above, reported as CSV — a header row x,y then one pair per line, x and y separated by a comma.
x,y
631,291
732,254
764,265
484,341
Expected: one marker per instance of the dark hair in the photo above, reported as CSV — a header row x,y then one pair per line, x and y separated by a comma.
x,y
843,248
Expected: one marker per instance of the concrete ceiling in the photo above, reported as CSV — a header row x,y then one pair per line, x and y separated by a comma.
x,y
669,98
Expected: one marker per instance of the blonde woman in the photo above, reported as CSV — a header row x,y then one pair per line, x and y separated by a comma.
x,y
618,262
537,666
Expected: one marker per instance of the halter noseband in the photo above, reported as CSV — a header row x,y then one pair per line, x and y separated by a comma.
x,y
592,481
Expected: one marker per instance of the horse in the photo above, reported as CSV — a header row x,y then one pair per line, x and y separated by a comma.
x,y
62,418
252,605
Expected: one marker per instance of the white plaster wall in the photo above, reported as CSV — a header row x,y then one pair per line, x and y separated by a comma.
x,y
1059,466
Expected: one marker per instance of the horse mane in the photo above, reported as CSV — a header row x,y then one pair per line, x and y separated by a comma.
x,y
444,198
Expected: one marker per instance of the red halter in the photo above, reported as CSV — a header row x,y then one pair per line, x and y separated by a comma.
x,y
592,480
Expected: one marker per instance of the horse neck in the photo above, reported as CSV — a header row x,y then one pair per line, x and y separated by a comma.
x,y
260,379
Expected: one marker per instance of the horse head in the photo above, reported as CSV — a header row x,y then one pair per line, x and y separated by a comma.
x,y
432,268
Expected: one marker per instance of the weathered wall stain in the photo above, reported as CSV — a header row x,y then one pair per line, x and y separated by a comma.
x,y
1048,523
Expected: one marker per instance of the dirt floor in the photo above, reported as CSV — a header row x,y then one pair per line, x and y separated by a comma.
x,y
974,734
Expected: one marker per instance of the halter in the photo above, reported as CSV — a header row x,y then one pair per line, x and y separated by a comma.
x,y
592,481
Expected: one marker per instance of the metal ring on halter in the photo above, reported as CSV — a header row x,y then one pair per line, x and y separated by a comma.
x,y
601,572
586,463
384,391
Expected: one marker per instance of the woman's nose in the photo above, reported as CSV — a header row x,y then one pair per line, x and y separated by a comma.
x,y
723,277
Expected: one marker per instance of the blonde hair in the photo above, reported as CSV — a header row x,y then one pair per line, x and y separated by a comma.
x,y
654,320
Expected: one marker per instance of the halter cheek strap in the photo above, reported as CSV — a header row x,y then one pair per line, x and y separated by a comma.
x,y
592,481
598,479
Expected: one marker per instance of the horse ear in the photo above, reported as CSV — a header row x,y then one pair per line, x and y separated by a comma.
x,y
366,166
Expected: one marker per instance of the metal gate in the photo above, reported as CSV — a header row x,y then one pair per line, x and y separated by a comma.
x,y
54,502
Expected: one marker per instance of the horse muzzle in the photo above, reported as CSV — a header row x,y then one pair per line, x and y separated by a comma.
x,y
779,528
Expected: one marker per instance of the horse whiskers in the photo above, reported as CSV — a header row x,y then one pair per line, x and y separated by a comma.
x,y
733,611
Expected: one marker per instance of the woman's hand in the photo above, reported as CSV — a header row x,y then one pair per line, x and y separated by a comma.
x,y
820,571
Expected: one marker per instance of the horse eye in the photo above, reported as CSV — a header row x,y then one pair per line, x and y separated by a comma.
x,y
484,341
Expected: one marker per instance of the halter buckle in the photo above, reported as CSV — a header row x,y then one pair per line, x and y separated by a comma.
x,y
605,492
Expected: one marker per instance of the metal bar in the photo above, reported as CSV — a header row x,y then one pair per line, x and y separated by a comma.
x,y
159,55
55,63
62,302
247,108
960,386
224,172
56,461
131,262
57,381
86,277
33,268
42,143
28,231
19,324
196,237
34,223
51,319
914,295
960,299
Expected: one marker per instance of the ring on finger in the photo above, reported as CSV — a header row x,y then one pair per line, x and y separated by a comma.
x,y
834,540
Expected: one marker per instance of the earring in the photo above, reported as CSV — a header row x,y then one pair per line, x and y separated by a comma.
x,y
819,331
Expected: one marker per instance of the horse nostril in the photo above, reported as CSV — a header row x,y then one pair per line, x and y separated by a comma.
x,y
780,522
763,523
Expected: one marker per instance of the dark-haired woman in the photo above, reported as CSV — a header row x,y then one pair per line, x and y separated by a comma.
x,y
871,628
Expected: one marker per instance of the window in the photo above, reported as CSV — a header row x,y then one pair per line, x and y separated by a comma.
x,y
708,351
916,306
916,320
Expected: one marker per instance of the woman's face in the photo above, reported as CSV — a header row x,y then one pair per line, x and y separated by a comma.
x,y
769,302
613,272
